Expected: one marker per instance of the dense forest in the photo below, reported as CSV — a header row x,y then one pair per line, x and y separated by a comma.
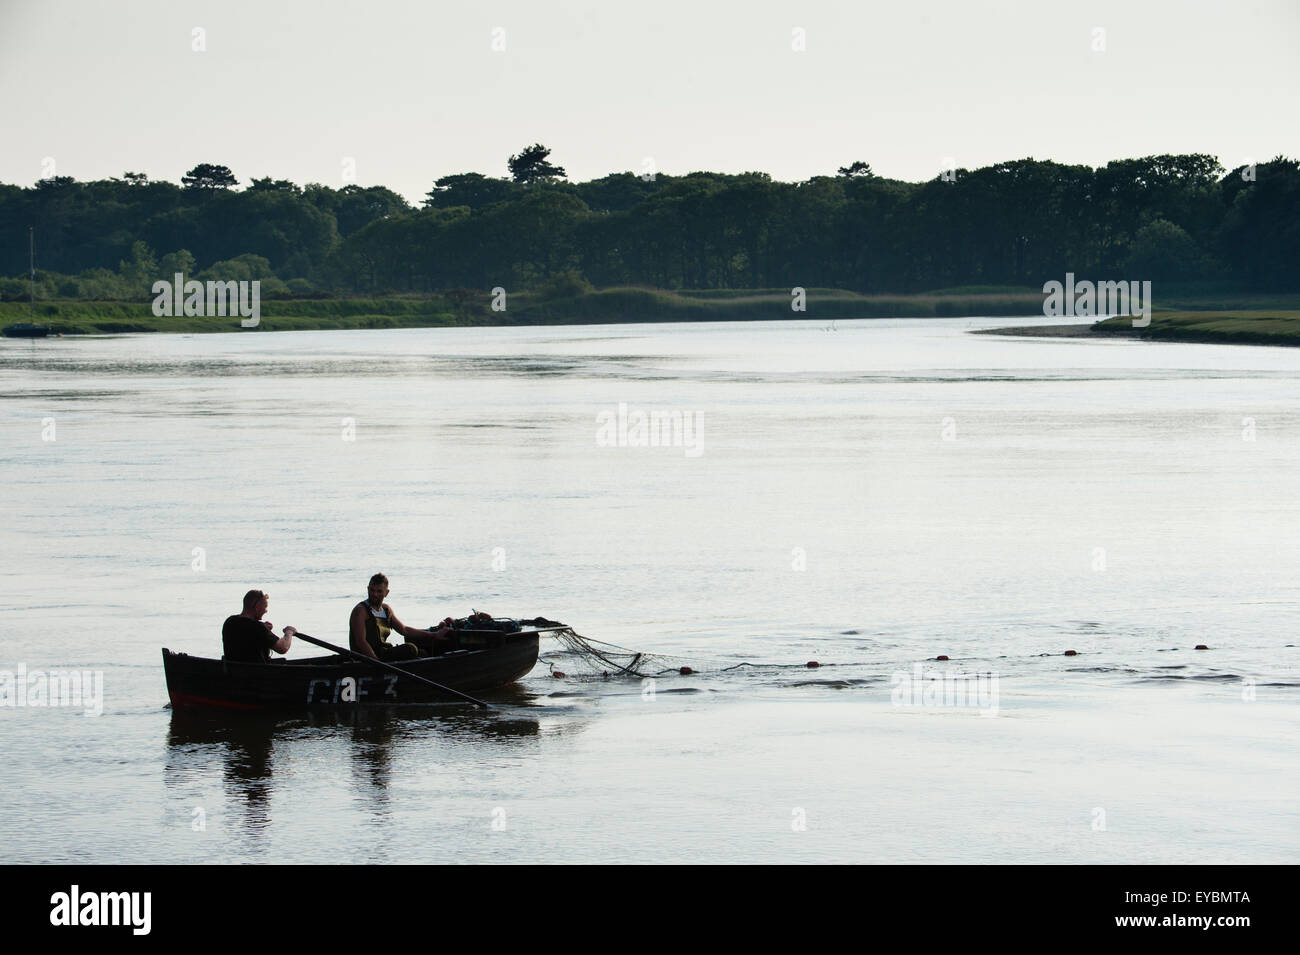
x,y
1016,223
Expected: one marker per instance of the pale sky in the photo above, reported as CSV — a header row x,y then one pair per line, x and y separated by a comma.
x,y
411,90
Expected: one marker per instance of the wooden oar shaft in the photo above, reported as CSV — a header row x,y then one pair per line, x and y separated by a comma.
x,y
388,666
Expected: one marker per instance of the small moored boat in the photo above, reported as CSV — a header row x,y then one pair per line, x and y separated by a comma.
x,y
485,661
26,330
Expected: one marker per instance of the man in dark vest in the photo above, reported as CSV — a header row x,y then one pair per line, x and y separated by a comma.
x,y
372,620
247,638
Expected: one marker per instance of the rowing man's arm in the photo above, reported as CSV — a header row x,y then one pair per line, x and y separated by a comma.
x,y
284,643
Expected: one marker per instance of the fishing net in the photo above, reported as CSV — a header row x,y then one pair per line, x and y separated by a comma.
x,y
575,656
583,657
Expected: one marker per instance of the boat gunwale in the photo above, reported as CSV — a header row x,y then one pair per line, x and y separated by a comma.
x,y
338,659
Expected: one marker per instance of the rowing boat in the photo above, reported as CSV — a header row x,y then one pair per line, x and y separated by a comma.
x,y
26,330
485,660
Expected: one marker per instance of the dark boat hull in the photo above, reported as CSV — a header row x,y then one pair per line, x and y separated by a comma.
x,y
196,682
25,330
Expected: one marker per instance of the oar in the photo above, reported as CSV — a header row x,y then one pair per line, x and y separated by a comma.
x,y
388,666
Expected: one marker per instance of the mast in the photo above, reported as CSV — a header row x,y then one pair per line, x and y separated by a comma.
x,y
31,247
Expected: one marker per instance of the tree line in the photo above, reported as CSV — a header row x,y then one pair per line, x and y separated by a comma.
x,y
1017,223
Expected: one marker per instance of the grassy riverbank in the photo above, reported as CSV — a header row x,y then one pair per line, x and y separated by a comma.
x,y
97,318
1230,327
525,308
1195,315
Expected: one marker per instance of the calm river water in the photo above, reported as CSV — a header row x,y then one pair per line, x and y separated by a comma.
x,y
868,496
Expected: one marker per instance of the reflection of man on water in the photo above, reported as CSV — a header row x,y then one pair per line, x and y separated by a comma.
x,y
247,638
372,620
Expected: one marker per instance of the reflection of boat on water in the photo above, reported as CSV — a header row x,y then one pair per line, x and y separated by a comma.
x,y
245,749
332,681
256,754
253,734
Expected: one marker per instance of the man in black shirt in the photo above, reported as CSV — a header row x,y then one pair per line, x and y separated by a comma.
x,y
247,638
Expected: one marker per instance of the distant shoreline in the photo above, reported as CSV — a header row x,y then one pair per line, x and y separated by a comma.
x,y
467,308
1276,327
1253,320
1041,331
1085,330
